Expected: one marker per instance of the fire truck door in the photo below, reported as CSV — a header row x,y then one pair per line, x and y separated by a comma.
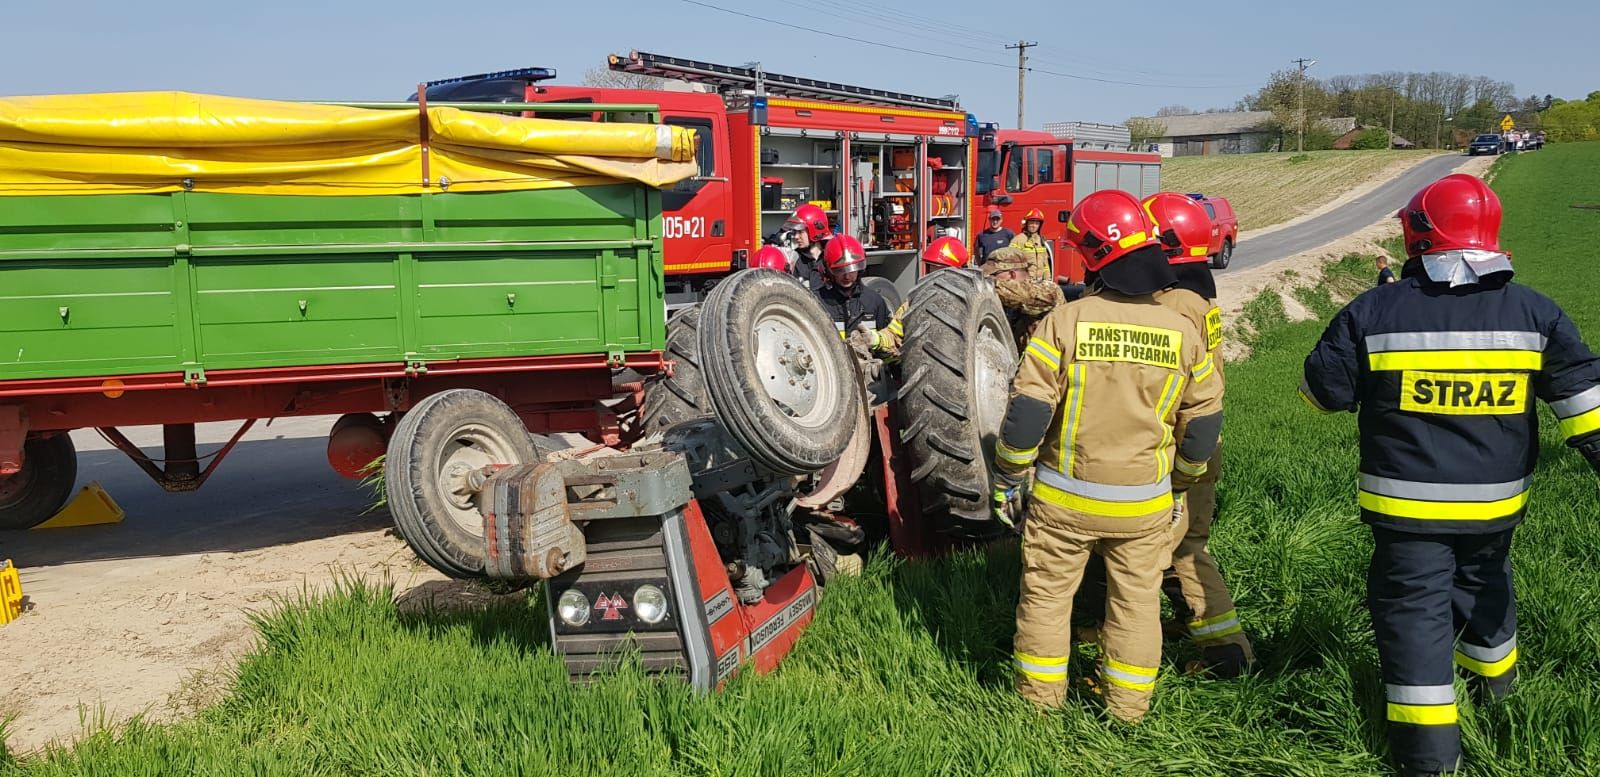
x,y
696,218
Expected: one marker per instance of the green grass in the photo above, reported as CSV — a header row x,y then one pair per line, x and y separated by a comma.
x,y
905,671
1267,189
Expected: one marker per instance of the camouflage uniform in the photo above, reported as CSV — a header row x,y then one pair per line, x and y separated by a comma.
x,y
1026,300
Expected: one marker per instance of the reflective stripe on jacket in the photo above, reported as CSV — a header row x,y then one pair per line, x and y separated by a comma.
x,y
1444,381
1101,385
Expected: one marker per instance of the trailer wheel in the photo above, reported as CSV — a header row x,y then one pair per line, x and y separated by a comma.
x,y
781,382
49,471
435,447
886,289
671,401
958,360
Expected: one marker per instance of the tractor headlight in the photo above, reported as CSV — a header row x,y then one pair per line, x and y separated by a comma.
x,y
649,604
573,608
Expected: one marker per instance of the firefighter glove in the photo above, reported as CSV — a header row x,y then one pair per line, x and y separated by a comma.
x,y
1008,497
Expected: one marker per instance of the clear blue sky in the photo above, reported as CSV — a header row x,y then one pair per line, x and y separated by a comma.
x,y
350,49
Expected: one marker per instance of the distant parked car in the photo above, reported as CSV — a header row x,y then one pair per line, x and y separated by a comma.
x,y
1224,228
1485,144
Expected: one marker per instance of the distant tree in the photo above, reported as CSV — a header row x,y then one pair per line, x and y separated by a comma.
x,y
1371,139
1142,130
607,78
1425,107
1174,110
1574,120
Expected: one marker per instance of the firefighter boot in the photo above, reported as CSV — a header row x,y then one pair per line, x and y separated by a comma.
x,y
1053,558
1130,655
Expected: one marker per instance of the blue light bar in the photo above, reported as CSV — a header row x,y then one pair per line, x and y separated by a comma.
x,y
527,73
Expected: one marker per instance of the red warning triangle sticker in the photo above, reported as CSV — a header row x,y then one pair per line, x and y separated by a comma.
x,y
614,611
602,603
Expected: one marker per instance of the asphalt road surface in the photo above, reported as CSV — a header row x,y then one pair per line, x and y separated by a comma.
x,y
1350,217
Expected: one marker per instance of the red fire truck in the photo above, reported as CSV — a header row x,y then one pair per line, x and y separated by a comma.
x,y
890,168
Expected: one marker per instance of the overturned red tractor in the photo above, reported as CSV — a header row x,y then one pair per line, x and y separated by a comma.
x,y
771,458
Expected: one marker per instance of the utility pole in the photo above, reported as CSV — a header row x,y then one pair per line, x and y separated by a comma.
x,y
1300,142
1022,47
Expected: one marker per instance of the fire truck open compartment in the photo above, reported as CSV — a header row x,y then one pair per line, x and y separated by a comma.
x,y
885,190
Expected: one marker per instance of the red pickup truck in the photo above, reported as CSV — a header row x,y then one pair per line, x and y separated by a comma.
x,y
1224,229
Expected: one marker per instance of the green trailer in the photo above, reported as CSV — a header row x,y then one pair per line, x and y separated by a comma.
x,y
311,285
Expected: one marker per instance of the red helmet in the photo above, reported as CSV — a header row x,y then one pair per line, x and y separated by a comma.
x,y
1034,214
946,252
844,254
1183,226
1455,212
770,258
1107,225
813,220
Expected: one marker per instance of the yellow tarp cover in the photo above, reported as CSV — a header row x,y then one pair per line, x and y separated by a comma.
x,y
147,142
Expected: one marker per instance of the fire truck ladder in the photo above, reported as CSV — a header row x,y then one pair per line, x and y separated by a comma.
x,y
727,78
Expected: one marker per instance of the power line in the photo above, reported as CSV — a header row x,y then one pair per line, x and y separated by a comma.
x,y
951,57
899,22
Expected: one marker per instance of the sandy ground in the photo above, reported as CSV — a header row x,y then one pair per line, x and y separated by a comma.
x,y
151,615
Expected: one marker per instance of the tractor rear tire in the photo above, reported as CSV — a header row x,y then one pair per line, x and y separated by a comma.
x,y
958,360
779,375
436,443
682,397
886,289
41,489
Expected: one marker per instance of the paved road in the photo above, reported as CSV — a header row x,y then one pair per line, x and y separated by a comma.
x,y
1346,219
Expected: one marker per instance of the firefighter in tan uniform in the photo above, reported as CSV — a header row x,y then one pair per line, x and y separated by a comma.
x,y
1032,244
1101,388
1213,623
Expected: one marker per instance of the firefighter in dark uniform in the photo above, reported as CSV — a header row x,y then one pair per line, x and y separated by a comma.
x,y
1443,367
860,314
809,233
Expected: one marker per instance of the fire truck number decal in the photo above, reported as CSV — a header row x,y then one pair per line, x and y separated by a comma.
x,y
777,624
674,227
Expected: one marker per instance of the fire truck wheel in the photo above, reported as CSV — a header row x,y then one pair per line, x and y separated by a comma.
x,y
1220,260
669,401
958,360
428,469
49,471
781,382
886,289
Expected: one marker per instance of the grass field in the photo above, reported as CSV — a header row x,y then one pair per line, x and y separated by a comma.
x,y
1267,189
905,671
